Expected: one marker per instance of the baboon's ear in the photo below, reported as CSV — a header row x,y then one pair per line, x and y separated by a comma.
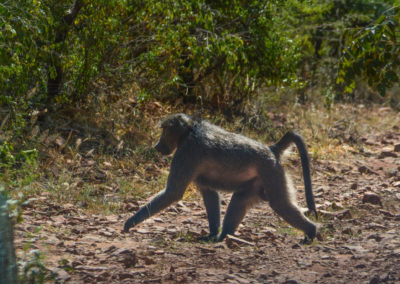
x,y
166,122
184,124
185,121
178,120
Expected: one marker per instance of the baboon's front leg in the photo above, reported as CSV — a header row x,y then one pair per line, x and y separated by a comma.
x,y
181,174
161,201
212,204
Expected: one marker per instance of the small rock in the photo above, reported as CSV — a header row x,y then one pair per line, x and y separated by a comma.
x,y
397,148
76,263
129,260
274,273
356,248
345,170
331,169
127,257
91,268
369,141
296,246
361,265
342,214
148,260
365,170
262,277
385,277
354,186
182,207
103,276
386,213
372,198
375,237
131,207
375,280
62,275
125,275
391,173
117,252
110,249
385,154
319,192
337,205
384,141
348,231
375,226
106,233
221,246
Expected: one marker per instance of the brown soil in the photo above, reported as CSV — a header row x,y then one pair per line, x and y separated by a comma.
x,y
358,199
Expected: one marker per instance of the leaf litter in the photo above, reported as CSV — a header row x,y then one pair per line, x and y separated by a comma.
x,y
359,203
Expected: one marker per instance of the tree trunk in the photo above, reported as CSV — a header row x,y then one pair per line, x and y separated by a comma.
x,y
54,81
8,267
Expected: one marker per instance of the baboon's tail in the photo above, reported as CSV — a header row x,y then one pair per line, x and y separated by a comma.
x,y
278,148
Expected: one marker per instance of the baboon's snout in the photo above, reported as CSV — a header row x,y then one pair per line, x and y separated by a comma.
x,y
162,148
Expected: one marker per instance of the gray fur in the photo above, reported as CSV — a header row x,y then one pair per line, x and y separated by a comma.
x,y
216,159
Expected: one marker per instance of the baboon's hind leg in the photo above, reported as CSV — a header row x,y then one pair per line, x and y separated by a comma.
x,y
281,201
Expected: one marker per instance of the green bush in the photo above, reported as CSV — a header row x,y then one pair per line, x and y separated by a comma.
x,y
220,53
373,54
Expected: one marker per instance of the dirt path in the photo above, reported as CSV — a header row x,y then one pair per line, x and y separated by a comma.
x,y
359,204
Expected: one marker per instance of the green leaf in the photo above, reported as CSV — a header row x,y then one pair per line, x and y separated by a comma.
x,y
381,89
392,76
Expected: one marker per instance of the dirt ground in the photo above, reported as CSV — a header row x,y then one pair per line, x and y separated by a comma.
x,y
358,199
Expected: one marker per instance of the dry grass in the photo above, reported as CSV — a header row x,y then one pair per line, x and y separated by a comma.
x,y
105,163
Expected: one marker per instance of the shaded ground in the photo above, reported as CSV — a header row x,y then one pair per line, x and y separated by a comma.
x,y
359,203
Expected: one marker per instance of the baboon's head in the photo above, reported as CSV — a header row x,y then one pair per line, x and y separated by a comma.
x,y
175,127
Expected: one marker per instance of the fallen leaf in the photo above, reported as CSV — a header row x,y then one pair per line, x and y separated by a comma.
x,y
372,198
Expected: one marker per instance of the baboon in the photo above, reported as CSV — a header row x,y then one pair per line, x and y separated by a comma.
x,y
215,159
